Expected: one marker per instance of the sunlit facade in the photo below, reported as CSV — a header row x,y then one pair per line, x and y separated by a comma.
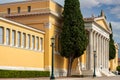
x,y
26,29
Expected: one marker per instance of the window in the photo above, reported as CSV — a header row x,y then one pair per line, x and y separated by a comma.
x,y
41,44
7,36
29,8
19,39
33,42
37,43
13,38
28,41
18,9
1,35
8,10
24,40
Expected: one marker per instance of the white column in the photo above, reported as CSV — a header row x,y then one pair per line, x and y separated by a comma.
x,y
107,54
100,51
94,42
89,55
94,46
104,52
97,58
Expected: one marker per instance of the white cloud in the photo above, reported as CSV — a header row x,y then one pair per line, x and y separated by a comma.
x,y
93,3
6,1
116,25
60,2
116,31
116,10
88,3
109,2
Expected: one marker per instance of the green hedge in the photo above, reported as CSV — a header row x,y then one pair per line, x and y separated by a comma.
x,y
23,74
118,68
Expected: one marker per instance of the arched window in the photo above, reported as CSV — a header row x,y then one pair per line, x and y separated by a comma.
x,y
1,35
37,43
33,42
24,40
7,36
28,43
19,39
41,44
13,37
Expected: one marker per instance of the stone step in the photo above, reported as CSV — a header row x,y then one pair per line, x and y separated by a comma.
x,y
107,73
87,72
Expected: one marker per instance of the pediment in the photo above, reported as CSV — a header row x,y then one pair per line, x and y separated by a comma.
x,y
103,23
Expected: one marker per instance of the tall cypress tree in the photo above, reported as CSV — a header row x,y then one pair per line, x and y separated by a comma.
x,y
73,36
112,50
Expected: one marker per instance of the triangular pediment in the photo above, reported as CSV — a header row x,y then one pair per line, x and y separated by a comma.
x,y
102,22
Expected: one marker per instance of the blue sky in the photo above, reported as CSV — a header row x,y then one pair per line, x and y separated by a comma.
x,y
110,7
89,7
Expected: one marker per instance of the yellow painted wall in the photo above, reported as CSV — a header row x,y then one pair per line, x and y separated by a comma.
x,y
11,56
114,62
41,22
18,56
56,7
60,62
37,22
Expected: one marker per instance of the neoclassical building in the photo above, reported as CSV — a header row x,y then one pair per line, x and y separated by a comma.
x,y
98,32
26,29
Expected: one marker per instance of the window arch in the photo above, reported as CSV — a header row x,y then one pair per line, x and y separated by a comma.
x,y
7,36
1,35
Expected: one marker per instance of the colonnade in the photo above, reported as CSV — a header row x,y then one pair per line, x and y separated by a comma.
x,y
100,44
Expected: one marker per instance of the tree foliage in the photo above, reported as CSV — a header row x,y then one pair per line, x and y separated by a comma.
x,y
112,50
73,36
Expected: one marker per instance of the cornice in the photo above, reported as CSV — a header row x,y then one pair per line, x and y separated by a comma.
x,y
42,12
23,2
19,24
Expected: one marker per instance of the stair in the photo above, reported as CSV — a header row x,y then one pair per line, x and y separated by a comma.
x,y
87,73
107,73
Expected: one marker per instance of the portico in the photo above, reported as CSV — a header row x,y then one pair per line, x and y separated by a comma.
x,y
99,42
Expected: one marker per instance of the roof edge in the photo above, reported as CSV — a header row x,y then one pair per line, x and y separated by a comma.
x,y
22,25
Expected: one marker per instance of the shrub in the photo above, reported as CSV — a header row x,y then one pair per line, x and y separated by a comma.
x,y
118,68
23,74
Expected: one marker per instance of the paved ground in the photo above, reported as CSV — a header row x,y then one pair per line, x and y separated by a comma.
x,y
85,78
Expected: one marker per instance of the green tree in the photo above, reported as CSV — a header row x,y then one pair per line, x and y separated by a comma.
x,y
73,35
112,51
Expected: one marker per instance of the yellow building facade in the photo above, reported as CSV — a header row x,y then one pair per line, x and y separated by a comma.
x,y
43,17
114,62
26,29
